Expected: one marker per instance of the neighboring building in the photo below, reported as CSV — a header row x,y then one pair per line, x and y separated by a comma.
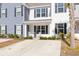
x,y
31,19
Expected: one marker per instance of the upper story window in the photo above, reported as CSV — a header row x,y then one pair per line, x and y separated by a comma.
x,y
41,12
19,10
4,12
44,12
60,8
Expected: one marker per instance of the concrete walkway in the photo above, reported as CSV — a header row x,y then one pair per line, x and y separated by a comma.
x,y
33,48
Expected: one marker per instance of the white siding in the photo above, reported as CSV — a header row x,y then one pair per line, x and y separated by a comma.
x,y
31,16
58,18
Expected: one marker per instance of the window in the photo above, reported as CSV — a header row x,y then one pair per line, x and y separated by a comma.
x,y
18,11
59,8
2,29
41,29
4,12
18,29
60,28
44,12
38,12
41,12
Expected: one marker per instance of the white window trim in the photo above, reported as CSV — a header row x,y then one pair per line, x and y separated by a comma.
x,y
40,29
40,12
18,31
60,7
18,12
3,12
3,29
59,28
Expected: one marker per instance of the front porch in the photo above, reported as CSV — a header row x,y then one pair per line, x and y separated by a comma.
x,y
37,28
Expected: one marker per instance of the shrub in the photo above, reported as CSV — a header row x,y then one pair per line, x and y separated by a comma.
x,y
10,35
68,36
54,37
16,36
3,36
58,37
43,38
13,36
48,38
61,35
28,37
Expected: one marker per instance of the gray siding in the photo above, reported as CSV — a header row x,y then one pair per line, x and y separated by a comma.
x,y
11,20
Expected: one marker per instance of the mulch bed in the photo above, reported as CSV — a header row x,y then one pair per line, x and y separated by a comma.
x,y
7,43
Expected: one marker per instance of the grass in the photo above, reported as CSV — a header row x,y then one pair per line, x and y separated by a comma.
x,y
67,51
4,44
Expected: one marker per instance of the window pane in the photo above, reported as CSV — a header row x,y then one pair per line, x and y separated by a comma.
x,y
38,12
60,25
38,29
47,29
18,9
60,30
2,29
43,31
47,12
60,9
3,10
43,15
43,10
55,7
60,4
18,29
43,27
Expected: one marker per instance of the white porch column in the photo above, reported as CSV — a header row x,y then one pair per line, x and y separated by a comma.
x,y
24,30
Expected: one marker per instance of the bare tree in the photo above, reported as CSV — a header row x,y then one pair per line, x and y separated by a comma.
x,y
70,6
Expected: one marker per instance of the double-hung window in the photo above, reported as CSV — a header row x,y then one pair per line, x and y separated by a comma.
x,y
40,12
18,29
60,28
2,29
4,12
44,12
18,10
60,8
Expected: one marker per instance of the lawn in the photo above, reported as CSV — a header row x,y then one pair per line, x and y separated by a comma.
x,y
67,51
4,44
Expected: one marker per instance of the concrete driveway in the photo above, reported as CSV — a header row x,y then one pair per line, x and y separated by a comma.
x,y
33,48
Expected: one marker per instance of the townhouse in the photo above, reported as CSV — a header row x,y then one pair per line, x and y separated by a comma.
x,y
32,19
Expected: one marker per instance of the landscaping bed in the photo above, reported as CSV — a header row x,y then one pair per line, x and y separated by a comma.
x,y
67,51
9,42
11,39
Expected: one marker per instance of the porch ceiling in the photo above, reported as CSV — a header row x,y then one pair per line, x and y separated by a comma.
x,y
38,21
